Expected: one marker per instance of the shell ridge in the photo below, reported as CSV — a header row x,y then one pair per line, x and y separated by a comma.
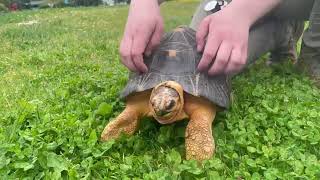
x,y
197,83
186,40
190,35
192,84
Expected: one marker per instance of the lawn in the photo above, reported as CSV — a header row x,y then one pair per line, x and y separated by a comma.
x,y
60,79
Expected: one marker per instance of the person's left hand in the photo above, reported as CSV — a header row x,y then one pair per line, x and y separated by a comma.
x,y
223,39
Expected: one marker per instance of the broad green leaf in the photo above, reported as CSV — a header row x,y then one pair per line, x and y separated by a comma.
x,y
214,175
57,162
173,157
104,109
92,138
23,165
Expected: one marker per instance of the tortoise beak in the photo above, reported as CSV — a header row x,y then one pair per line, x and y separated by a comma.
x,y
165,121
162,113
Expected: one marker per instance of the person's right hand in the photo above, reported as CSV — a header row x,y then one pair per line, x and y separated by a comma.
x,y
142,34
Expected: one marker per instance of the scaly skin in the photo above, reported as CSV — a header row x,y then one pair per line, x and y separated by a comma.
x,y
127,122
199,140
201,113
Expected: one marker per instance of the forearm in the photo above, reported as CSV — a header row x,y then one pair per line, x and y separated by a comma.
x,y
250,11
147,1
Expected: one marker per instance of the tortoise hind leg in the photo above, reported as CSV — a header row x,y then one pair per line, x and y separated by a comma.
x,y
128,121
199,140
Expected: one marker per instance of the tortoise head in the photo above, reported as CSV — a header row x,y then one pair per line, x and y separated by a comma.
x,y
166,102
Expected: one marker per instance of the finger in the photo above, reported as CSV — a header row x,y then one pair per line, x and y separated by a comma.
x,y
209,52
155,39
202,33
235,63
221,59
244,58
138,61
138,47
125,53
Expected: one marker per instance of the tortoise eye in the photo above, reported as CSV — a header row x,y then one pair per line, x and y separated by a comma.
x,y
171,104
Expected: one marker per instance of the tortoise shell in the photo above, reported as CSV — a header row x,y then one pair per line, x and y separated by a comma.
x,y
176,59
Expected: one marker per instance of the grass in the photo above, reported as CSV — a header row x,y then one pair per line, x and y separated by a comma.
x,y
59,85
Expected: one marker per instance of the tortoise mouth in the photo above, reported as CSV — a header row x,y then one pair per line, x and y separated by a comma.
x,y
164,122
163,113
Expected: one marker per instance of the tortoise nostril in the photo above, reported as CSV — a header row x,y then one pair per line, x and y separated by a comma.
x,y
171,104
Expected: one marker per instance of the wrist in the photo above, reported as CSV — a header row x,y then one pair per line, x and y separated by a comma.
x,y
144,6
147,2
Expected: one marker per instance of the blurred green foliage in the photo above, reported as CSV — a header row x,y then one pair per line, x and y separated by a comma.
x,y
3,8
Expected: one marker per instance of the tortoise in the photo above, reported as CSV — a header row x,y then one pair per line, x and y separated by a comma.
x,y
174,90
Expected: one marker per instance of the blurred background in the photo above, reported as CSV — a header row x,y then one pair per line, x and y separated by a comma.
x,y
15,5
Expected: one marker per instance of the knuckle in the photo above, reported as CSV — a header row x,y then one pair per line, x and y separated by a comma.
x,y
135,55
136,52
137,59
221,33
208,55
222,60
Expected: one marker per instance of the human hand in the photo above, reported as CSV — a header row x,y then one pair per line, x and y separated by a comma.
x,y
142,34
223,38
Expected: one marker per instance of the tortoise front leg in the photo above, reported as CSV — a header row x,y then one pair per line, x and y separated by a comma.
x,y
128,121
199,140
